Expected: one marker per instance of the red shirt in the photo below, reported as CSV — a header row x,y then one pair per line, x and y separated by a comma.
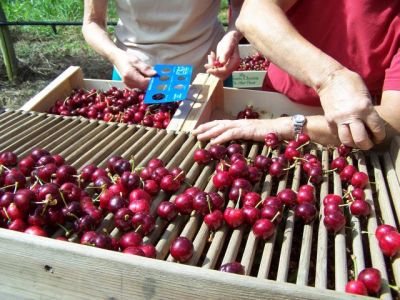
x,y
363,35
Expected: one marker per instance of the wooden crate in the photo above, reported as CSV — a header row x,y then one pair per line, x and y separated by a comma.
x,y
297,263
73,78
218,102
248,79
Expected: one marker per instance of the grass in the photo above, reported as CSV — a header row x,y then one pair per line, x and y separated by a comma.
x,y
43,55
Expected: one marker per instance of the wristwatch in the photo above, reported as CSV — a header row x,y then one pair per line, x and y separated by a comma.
x,y
298,123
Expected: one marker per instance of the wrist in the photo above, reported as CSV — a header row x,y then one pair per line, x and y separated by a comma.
x,y
328,77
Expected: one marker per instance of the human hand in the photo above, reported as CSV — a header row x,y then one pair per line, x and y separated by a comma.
x,y
227,56
348,106
134,72
221,131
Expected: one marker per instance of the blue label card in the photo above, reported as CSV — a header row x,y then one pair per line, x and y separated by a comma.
x,y
171,84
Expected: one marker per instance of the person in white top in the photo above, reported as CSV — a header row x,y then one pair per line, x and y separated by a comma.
x,y
153,32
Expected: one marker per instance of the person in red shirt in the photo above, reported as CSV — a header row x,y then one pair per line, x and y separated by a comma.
x,y
341,55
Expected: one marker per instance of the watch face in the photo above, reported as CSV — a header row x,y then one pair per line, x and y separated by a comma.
x,y
299,118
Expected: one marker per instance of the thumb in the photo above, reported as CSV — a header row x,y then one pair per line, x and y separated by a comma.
x,y
145,69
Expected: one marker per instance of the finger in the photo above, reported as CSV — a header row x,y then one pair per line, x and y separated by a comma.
x,y
136,80
360,135
376,125
206,126
215,131
145,69
227,135
345,135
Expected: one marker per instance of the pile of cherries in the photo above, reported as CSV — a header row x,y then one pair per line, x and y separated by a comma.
x,y
248,113
115,105
368,282
41,194
255,62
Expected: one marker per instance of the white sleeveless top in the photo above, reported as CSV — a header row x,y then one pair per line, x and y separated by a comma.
x,y
169,31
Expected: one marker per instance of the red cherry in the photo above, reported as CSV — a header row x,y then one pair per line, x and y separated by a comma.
x,y
263,228
262,163
251,214
138,194
359,180
123,219
36,230
130,239
372,280
339,163
134,251
234,267
303,138
360,208
222,180
344,150
144,223
214,220
218,152
276,169
234,217
347,173
270,212
251,199
332,198
271,140
239,169
149,250
167,210
169,184
288,197
358,193
184,203
234,149
356,287
305,196
390,243
138,206
181,249
382,230
202,156
334,221
291,153
306,211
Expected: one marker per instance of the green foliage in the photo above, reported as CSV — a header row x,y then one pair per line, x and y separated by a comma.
x,y
48,10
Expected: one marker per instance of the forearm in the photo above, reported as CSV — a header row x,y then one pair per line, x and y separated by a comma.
x,y
94,29
316,127
389,111
265,25
235,6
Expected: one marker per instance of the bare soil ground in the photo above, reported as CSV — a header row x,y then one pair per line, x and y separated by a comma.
x,y
41,58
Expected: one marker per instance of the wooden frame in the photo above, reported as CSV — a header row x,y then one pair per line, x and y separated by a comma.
x,y
49,269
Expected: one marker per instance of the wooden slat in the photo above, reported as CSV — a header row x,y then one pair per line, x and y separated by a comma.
x,y
321,268
341,275
284,259
393,183
377,258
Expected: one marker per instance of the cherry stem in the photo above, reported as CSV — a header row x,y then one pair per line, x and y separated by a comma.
x,y
209,203
303,145
239,198
353,258
16,187
39,180
177,176
259,202
330,171
138,228
62,198
3,166
268,151
394,287
67,232
7,186
367,232
276,215
5,212
211,237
